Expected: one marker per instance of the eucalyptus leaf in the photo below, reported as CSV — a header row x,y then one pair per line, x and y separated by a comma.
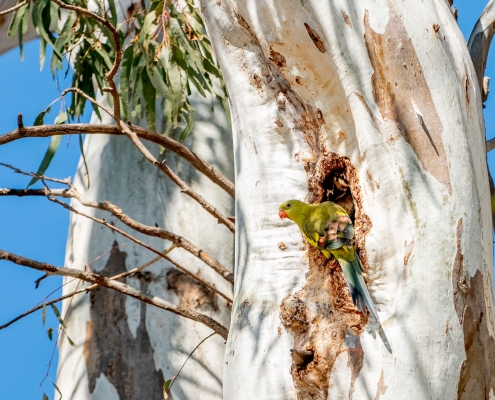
x,y
47,159
43,315
57,314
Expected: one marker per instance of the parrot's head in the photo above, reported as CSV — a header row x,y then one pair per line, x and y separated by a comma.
x,y
290,209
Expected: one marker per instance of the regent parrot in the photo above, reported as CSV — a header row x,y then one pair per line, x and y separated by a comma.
x,y
327,227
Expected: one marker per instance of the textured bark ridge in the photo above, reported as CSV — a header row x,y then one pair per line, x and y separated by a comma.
x,y
321,316
110,348
477,378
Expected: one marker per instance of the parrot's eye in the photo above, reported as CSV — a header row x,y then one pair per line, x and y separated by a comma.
x,y
288,205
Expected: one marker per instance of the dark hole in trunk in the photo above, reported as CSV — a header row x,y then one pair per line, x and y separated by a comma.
x,y
336,188
302,359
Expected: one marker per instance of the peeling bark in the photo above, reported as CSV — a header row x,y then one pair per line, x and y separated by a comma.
x,y
110,347
403,96
477,374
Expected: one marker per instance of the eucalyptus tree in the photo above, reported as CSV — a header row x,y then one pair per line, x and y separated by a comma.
x,y
375,105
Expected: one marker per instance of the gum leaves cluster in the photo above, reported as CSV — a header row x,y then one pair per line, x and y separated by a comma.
x,y
159,49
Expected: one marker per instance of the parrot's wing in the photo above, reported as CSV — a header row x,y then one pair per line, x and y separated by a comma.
x,y
312,236
359,292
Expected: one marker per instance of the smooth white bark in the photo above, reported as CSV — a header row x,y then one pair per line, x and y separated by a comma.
x,y
120,174
413,199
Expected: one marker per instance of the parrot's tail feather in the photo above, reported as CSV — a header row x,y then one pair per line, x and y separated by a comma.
x,y
359,293
381,332
357,298
360,263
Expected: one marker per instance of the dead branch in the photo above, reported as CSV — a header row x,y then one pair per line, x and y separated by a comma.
x,y
480,40
94,129
176,376
91,277
490,145
179,241
86,289
175,178
12,9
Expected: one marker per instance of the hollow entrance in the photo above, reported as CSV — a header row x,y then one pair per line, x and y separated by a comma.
x,y
321,317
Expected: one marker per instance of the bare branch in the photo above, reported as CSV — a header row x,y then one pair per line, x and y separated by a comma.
x,y
480,40
92,129
66,181
86,289
179,241
12,9
176,376
118,286
89,98
175,178
490,145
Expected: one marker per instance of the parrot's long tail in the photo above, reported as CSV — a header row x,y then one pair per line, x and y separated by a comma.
x,y
359,292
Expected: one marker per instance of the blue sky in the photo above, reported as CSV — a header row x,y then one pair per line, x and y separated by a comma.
x,y
36,228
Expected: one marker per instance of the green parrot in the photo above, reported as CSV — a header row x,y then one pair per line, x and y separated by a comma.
x,y
327,227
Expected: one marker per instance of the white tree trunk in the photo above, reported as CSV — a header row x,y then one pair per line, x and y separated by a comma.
x,y
126,350
381,97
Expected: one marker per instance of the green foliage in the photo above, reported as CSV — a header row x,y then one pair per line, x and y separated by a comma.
x,y
164,53
47,158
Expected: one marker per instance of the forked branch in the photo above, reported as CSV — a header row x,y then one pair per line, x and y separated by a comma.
x,y
72,193
91,277
175,178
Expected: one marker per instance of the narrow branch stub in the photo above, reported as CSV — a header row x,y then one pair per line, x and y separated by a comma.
x,y
321,317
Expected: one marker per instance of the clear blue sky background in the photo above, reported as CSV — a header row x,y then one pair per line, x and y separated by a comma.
x,y
37,228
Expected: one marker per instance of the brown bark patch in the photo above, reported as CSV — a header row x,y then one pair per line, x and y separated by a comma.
x,y
315,38
382,388
403,96
408,249
477,377
191,293
346,19
276,58
355,364
321,317
110,347
255,80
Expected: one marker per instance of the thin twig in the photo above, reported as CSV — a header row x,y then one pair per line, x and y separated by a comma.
x,y
65,181
175,178
89,98
11,9
91,129
118,286
176,376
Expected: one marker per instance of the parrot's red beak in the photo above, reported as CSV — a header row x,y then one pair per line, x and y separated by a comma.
x,y
282,214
